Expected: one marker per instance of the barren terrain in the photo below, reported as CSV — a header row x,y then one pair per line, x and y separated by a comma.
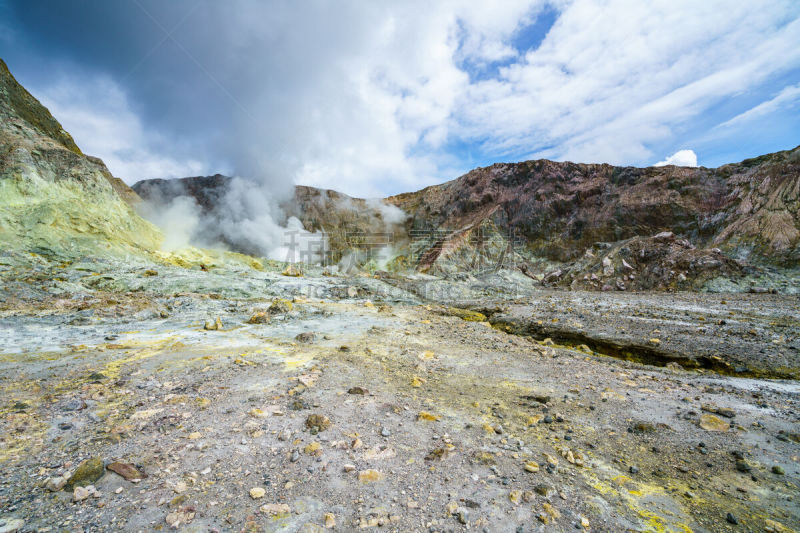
x,y
391,413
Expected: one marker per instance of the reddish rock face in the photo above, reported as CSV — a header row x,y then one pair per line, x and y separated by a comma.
x,y
748,209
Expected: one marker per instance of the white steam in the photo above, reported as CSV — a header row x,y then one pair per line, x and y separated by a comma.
x,y
178,221
391,214
242,215
299,245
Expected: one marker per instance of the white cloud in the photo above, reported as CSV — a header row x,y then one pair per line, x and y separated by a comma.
x,y
681,158
99,117
368,98
788,97
587,94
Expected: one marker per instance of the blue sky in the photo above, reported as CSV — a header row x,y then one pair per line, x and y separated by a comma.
x,y
380,98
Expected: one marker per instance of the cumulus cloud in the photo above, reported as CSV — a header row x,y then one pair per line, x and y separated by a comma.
x,y
681,158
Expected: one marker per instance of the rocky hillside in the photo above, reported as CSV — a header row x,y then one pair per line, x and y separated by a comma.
x,y
573,225
54,200
749,210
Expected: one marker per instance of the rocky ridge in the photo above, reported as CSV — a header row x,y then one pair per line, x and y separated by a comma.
x,y
750,210
54,199
595,227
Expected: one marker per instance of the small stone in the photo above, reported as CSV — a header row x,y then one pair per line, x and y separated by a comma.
x,y
584,522
385,432
731,519
75,404
349,467
313,448
259,317
515,496
330,520
321,422
713,423
552,511
641,428
292,271
634,469
357,390
56,483
126,470
295,456
80,493
776,469
531,466
182,516
274,509
307,337
369,476
742,465
424,415
727,412
298,405
257,492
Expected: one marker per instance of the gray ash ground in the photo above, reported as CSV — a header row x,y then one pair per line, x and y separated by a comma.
x,y
436,423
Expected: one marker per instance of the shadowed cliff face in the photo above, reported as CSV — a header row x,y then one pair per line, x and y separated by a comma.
x,y
748,209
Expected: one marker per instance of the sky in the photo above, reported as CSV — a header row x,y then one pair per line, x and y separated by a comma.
x,y
378,98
